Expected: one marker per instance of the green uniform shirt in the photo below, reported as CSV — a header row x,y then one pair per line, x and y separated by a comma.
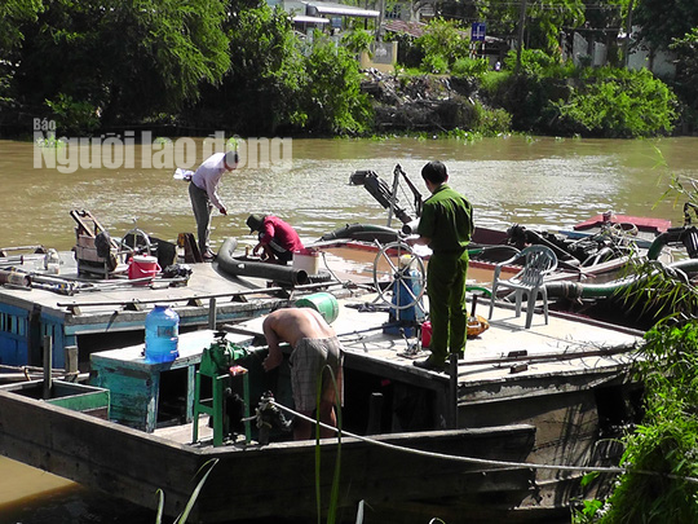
x,y
447,219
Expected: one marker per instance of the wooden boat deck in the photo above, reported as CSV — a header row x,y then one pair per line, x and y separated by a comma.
x,y
101,297
523,408
507,362
119,305
564,345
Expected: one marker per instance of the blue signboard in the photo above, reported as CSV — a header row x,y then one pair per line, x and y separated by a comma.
x,y
477,33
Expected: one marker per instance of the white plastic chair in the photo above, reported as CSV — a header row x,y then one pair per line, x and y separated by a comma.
x,y
538,262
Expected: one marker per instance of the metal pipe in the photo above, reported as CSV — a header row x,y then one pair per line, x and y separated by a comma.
x,y
574,290
212,313
48,362
14,278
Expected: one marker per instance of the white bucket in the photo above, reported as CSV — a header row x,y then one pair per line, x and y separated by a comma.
x,y
307,260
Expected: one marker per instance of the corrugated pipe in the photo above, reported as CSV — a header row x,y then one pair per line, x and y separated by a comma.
x,y
575,290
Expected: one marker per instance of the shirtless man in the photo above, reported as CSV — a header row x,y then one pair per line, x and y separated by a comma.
x,y
315,346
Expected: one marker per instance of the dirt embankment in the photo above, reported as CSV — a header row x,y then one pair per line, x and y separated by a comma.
x,y
420,103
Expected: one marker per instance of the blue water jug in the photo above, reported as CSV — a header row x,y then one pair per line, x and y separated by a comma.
x,y
161,334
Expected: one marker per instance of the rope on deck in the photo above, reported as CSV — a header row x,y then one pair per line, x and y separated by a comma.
x,y
485,462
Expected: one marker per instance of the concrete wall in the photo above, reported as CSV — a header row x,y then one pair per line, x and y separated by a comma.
x,y
660,64
383,59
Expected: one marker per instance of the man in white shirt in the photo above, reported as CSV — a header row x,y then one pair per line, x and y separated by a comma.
x,y
203,195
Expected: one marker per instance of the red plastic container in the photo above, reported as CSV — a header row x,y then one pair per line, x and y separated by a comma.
x,y
426,334
142,266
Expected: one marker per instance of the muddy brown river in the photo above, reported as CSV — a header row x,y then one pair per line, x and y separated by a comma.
x,y
538,182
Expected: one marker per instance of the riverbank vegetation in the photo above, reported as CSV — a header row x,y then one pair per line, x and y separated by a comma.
x,y
239,66
660,459
660,482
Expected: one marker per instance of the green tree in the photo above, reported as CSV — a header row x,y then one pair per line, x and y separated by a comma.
x,y
130,58
662,21
545,19
12,14
357,40
686,50
443,43
281,83
261,91
333,98
617,103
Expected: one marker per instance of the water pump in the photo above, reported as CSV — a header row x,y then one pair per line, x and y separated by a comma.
x,y
228,409
220,356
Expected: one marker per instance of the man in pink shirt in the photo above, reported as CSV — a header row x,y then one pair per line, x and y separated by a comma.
x,y
277,238
204,196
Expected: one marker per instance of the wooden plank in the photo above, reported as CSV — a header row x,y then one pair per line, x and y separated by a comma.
x,y
105,455
369,473
85,402
131,465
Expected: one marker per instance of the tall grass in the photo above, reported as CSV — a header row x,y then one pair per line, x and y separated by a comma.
x,y
206,469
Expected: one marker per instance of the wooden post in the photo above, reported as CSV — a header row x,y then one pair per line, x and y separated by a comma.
x,y
212,313
71,363
48,364
453,391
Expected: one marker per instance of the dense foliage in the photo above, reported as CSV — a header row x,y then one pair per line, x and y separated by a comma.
x,y
278,83
260,92
561,99
129,62
544,19
613,103
684,84
333,70
661,458
208,64
12,14
662,21
442,44
239,66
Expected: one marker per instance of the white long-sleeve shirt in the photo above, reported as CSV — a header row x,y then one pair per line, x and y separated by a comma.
x,y
208,176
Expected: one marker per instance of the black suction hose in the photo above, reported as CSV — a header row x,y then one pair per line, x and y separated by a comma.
x,y
241,267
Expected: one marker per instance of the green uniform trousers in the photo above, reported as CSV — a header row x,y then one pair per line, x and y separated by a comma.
x,y
446,275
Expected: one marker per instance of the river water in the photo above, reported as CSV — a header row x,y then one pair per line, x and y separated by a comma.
x,y
538,182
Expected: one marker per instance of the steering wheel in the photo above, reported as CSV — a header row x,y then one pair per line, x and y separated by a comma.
x,y
623,228
140,238
398,269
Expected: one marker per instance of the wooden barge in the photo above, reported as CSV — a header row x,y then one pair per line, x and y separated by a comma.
x,y
85,315
515,424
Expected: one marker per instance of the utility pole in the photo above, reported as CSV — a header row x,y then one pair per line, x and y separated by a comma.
x,y
628,30
379,22
519,44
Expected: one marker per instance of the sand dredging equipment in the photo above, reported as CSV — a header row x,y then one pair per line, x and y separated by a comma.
x,y
686,236
252,268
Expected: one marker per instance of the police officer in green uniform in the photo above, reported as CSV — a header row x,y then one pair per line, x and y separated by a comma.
x,y
446,226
